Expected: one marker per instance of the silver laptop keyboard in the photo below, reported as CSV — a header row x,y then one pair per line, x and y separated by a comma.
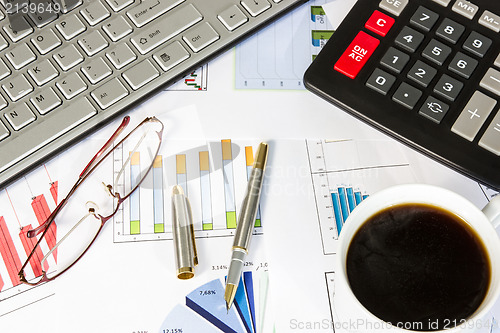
x,y
63,74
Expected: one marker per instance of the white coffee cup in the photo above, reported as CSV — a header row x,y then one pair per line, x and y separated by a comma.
x,y
352,316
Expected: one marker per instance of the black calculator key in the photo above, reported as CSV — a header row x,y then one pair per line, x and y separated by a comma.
x,y
407,95
424,19
434,109
477,44
395,60
381,81
422,73
448,87
409,39
463,65
436,52
450,30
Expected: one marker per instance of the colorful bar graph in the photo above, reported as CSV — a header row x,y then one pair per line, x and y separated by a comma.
x,y
206,196
344,200
135,204
9,253
316,10
227,170
54,190
249,160
320,37
181,172
158,212
42,213
29,245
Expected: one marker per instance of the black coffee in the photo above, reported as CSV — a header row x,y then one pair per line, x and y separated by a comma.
x,y
418,267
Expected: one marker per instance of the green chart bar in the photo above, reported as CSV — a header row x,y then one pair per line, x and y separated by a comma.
x,y
206,197
135,202
227,171
159,219
249,159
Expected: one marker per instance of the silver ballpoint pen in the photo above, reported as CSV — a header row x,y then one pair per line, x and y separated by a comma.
x,y
246,221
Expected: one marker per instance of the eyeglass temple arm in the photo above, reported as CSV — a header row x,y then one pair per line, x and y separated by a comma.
x,y
108,144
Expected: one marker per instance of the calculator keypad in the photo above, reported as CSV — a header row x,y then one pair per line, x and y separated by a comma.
x,y
423,74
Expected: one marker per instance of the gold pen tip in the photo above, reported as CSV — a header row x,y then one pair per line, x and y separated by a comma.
x,y
261,156
229,295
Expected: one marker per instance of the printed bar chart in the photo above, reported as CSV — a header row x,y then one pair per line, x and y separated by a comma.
x,y
9,253
159,217
227,165
344,200
206,196
135,199
42,213
249,158
214,177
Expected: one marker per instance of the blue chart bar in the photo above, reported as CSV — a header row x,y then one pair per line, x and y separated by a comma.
x,y
344,200
208,301
243,307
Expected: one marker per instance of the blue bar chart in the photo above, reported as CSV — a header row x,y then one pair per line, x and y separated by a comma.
x,y
213,176
344,173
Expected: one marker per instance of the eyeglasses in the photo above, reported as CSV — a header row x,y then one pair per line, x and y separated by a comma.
x,y
93,199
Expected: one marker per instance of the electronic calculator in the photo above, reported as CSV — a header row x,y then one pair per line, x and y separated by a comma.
x,y
426,72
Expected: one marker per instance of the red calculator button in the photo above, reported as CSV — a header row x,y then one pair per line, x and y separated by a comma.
x,y
380,23
357,54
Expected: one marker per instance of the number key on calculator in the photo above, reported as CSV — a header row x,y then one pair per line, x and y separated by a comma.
x,y
428,72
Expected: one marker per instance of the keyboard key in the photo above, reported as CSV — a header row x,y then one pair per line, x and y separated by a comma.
x,y
463,65
436,52
465,8
68,57
381,81
424,19
23,29
42,17
20,56
96,70
148,10
490,20
3,102
491,138
473,116
491,81
395,60
71,26
46,41
93,42
95,12
165,28
46,131
477,44
256,7
433,109
121,56
118,5
117,28
43,72
4,70
4,132
200,37
380,23
448,87
20,116
232,18
140,74
422,73
406,95
71,85
409,39
356,55
69,5
394,7
109,93
3,43
171,55
46,101
17,87
450,30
